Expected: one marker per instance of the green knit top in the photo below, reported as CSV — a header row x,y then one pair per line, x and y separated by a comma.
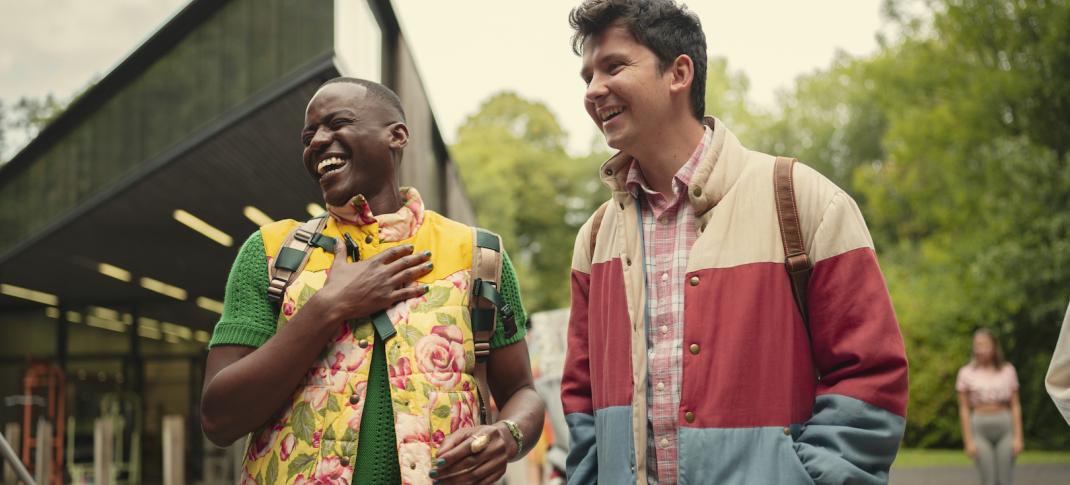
x,y
249,320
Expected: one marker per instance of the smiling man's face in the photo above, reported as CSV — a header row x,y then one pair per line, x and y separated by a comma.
x,y
348,138
627,94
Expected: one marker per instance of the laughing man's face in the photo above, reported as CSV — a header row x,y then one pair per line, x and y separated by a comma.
x,y
347,138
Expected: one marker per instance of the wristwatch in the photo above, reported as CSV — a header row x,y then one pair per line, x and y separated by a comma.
x,y
517,435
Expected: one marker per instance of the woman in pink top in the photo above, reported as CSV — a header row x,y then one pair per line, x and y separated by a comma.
x,y
989,410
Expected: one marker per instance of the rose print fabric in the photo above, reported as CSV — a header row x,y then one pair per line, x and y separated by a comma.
x,y
430,360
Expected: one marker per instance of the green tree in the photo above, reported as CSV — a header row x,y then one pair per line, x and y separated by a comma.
x,y
953,137
23,120
526,187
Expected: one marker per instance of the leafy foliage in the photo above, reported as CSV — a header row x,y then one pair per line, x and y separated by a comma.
x,y
23,119
528,189
954,140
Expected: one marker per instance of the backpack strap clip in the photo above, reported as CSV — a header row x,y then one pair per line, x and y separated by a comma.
x,y
293,255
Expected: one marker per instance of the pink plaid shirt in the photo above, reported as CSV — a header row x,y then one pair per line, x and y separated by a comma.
x,y
668,234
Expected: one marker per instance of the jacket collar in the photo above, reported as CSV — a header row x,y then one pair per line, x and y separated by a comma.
x,y
713,178
397,226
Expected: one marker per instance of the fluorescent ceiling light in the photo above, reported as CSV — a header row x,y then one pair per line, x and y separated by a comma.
x,y
180,331
106,313
153,333
206,229
315,209
163,288
210,304
202,336
105,323
28,294
148,322
114,271
74,317
148,328
52,312
257,216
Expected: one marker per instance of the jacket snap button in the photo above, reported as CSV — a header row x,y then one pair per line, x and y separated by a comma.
x,y
787,431
696,191
689,417
609,171
368,239
354,399
344,461
694,281
621,205
363,344
694,349
628,261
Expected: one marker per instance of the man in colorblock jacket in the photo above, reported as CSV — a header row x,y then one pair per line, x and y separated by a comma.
x,y
688,359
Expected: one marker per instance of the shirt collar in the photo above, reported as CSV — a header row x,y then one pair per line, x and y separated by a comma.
x,y
635,182
397,226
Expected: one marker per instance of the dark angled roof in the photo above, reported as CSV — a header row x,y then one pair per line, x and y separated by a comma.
x,y
250,158
247,154
185,21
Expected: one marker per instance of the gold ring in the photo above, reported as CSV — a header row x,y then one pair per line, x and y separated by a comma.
x,y
479,443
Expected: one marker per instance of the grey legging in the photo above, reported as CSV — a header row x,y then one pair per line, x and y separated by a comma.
x,y
993,435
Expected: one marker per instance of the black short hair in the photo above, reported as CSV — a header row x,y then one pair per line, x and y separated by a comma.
x,y
377,91
662,26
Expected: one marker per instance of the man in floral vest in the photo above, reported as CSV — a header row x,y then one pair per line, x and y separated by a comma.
x,y
365,371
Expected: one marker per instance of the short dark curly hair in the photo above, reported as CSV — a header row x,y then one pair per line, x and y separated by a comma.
x,y
662,26
384,95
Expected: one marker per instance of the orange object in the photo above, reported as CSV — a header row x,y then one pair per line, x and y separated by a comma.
x,y
42,376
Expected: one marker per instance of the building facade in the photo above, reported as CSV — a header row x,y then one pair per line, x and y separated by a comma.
x,y
119,222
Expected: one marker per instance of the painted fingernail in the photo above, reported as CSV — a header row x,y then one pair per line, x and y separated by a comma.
x,y
440,462
430,265
427,288
433,474
427,253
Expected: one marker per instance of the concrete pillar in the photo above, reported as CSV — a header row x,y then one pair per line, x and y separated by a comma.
x,y
11,433
42,468
103,451
174,450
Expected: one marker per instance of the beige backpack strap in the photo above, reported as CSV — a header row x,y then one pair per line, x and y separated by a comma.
x,y
293,255
596,224
483,304
796,261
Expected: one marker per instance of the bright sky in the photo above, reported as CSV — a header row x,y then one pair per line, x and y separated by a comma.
x,y
465,50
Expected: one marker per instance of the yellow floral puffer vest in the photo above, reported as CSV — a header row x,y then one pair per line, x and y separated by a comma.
x,y
430,360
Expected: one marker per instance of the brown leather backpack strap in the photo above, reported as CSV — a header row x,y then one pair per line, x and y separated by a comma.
x,y
796,261
484,304
293,255
596,224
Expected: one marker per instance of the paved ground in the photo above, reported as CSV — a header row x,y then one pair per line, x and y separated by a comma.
x,y
1023,475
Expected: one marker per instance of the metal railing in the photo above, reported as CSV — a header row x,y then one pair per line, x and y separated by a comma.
x,y
13,460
